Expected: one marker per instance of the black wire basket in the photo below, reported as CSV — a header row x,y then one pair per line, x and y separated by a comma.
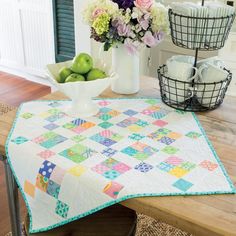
x,y
191,95
199,32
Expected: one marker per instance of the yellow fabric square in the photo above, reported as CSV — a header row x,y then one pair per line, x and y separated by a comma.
x,y
29,189
44,115
87,125
77,170
174,135
134,128
113,113
178,172
154,108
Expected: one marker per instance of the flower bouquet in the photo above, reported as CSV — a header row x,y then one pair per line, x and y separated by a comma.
x,y
127,26
134,23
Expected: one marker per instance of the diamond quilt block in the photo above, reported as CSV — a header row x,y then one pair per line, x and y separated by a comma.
x,y
78,125
112,189
183,185
193,135
19,140
77,153
143,167
62,209
111,168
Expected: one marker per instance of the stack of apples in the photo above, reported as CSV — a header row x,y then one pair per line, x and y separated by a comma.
x,y
80,70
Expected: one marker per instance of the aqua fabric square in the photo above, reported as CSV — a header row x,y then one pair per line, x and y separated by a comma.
x,y
19,140
62,209
105,117
104,109
136,136
98,138
53,189
182,185
105,125
111,174
129,151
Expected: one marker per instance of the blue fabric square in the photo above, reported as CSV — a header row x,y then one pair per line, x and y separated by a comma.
x,y
78,122
182,185
165,166
143,167
46,169
107,142
130,112
109,152
54,104
51,126
166,140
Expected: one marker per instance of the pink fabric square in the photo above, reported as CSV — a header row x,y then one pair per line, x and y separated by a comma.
x,y
46,154
58,175
104,103
39,139
79,129
174,160
147,112
208,165
100,168
132,119
113,189
121,168
139,146
160,123
106,133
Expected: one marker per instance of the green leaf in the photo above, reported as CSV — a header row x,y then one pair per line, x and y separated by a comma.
x,y
107,46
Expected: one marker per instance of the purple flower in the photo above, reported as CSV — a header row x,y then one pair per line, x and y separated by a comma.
x,y
131,46
124,3
144,23
123,29
149,39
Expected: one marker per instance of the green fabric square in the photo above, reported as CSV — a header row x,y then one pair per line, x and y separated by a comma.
x,y
193,135
151,101
27,115
116,137
170,150
141,156
62,209
188,166
78,138
69,126
105,125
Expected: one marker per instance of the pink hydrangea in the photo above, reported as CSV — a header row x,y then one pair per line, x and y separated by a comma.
x,y
143,4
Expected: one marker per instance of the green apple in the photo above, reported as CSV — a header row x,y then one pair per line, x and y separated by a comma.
x,y
82,63
75,78
96,74
64,72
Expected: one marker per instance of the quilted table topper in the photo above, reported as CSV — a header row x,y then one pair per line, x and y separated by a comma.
x,y
70,167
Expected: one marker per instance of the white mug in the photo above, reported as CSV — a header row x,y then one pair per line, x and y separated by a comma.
x,y
211,60
209,94
178,91
181,67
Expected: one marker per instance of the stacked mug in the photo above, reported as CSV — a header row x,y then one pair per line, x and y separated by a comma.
x,y
205,81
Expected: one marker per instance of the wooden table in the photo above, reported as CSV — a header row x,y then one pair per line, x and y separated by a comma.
x,y
200,215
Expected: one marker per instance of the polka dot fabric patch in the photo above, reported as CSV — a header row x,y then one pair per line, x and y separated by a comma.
x,y
69,167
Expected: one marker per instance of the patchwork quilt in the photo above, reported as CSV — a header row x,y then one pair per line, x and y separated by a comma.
x,y
70,167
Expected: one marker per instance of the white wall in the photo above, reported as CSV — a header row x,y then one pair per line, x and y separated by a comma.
x,y
26,35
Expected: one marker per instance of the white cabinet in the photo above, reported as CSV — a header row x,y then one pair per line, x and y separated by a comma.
x,y
26,35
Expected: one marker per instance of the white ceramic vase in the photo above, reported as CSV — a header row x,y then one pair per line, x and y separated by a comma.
x,y
127,68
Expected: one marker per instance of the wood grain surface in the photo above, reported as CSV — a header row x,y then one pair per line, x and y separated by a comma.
x,y
200,215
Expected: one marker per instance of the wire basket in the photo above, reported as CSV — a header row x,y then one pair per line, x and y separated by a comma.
x,y
190,95
199,32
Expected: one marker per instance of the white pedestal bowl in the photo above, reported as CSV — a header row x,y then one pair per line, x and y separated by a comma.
x,y
81,92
